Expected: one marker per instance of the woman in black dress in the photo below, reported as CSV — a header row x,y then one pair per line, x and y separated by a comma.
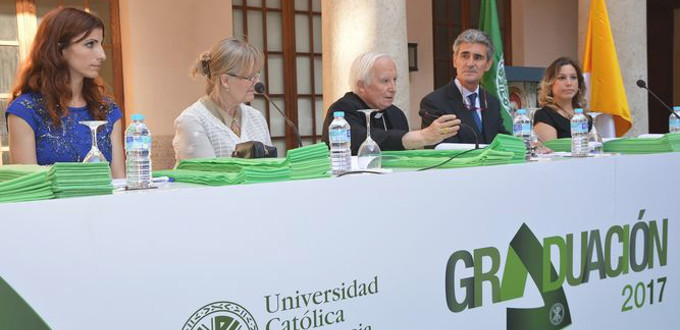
x,y
562,90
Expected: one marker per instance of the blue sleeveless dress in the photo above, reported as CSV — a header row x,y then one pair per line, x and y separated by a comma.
x,y
72,141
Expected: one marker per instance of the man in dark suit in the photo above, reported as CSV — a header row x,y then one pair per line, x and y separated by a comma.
x,y
478,110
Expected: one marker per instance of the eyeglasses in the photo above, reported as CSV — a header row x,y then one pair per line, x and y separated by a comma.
x,y
253,79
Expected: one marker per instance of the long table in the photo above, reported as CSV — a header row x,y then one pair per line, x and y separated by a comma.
x,y
441,249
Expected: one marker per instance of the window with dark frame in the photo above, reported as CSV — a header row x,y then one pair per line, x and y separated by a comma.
x,y
449,19
289,33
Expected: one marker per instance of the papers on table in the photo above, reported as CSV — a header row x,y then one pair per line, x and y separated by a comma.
x,y
650,136
458,146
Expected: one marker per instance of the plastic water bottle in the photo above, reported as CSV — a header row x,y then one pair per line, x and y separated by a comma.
x,y
521,127
674,122
579,134
138,154
339,135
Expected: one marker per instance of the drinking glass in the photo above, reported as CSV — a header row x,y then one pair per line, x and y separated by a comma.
x,y
94,156
369,156
536,144
594,138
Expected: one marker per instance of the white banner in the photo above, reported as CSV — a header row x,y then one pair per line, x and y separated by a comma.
x,y
442,249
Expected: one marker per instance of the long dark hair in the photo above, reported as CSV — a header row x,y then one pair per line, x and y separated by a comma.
x,y
46,72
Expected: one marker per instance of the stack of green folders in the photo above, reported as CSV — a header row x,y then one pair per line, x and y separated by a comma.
x,y
24,183
229,171
80,179
559,145
509,143
310,162
504,149
204,177
666,143
302,163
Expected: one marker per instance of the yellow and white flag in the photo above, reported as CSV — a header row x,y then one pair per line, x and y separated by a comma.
x,y
603,75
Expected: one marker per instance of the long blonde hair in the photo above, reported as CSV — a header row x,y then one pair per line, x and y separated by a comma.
x,y
546,98
234,56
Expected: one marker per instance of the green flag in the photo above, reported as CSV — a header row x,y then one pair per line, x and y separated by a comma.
x,y
494,80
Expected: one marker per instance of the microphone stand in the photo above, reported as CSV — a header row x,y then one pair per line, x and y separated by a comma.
x,y
642,84
473,132
259,88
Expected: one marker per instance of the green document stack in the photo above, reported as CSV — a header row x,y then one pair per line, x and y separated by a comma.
x,y
80,179
24,183
310,162
229,171
509,143
204,177
302,163
260,175
667,143
229,164
559,145
504,149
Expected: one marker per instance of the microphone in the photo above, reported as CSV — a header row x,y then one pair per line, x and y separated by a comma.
x,y
260,89
641,83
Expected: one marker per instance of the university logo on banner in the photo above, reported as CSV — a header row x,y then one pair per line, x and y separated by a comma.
x,y
221,315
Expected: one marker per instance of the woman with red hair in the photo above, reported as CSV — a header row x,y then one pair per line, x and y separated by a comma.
x,y
57,87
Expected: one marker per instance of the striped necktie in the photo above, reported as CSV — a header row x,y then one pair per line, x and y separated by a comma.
x,y
473,107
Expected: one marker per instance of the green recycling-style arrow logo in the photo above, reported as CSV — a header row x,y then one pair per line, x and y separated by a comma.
x,y
525,257
15,313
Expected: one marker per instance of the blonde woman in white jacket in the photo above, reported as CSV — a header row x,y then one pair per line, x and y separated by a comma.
x,y
219,120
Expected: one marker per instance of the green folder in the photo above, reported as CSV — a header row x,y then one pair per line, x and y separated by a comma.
x,y
24,183
80,179
504,149
667,143
559,145
60,180
203,177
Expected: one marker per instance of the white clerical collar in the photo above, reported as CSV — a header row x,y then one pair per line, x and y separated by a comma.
x,y
464,91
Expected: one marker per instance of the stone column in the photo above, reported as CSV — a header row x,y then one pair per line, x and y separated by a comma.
x,y
628,19
352,27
